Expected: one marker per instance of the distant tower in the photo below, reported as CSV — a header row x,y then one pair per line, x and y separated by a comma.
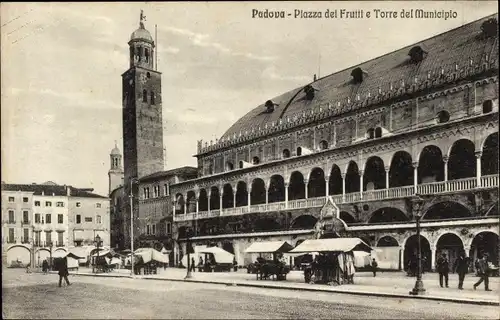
x,y
115,173
142,109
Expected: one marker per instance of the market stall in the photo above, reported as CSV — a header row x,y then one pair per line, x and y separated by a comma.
x,y
217,259
335,263
147,260
274,267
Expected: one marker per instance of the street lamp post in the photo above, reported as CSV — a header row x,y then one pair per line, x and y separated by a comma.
x,y
188,235
132,181
419,284
50,247
98,244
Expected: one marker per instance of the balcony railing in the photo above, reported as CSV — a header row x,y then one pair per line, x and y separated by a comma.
x,y
25,222
59,244
11,241
489,181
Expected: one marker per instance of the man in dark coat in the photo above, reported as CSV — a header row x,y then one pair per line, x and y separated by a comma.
x,y
443,267
483,272
461,267
374,267
63,271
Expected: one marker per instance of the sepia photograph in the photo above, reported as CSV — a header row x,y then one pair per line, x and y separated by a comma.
x,y
250,160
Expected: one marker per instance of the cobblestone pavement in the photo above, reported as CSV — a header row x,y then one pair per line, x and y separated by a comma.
x,y
384,282
37,296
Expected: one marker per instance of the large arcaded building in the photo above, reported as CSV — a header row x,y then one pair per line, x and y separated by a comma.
x,y
411,133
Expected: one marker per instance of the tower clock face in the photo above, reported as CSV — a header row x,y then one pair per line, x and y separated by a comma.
x,y
143,78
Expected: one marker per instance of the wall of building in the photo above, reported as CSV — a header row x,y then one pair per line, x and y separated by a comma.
x,y
94,215
57,230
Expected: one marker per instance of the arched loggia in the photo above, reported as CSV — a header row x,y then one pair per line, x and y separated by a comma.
x,y
316,186
451,245
335,181
401,170
276,192
179,203
296,189
352,178
258,194
305,221
227,196
374,174
411,253
203,200
462,161
191,202
214,198
489,158
241,194
430,165
388,215
446,210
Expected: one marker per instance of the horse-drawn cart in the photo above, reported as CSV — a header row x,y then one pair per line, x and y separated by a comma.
x,y
275,268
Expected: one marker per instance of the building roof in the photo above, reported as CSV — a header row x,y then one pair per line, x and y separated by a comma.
x,y
115,151
463,45
49,189
186,172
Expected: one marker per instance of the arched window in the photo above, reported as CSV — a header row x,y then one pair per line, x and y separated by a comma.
x,y
378,132
323,145
229,166
255,160
370,134
443,116
152,97
299,151
144,96
146,54
487,106
286,153
148,75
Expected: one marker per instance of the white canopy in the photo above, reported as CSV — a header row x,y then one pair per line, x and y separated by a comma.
x,y
150,254
221,255
269,247
101,253
59,254
332,245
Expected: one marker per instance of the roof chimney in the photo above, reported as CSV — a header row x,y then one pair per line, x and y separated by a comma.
x,y
68,191
314,77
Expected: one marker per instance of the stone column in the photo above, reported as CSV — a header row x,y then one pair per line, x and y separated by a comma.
x,y
401,258
234,197
267,193
415,176
220,202
445,161
249,195
185,203
209,196
306,184
327,185
387,170
361,172
286,195
343,186
433,258
197,204
479,154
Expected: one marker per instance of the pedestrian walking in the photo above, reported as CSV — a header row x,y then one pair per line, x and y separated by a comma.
x,y
461,267
483,272
45,267
193,265
63,271
235,264
374,267
443,267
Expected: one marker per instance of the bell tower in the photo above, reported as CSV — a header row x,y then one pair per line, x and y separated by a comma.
x,y
115,173
142,122
142,108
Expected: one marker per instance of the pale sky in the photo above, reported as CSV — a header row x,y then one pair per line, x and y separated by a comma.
x,y
61,66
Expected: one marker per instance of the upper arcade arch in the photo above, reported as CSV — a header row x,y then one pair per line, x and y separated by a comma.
x,y
316,186
401,170
214,198
446,210
241,194
430,165
227,196
462,160
296,189
203,200
489,157
374,174
276,192
258,192
352,177
388,215
335,181
191,201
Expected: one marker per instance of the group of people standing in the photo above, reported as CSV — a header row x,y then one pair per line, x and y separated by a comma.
x,y
461,267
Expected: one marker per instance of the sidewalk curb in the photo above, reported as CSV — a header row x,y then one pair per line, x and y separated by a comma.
x,y
329,290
